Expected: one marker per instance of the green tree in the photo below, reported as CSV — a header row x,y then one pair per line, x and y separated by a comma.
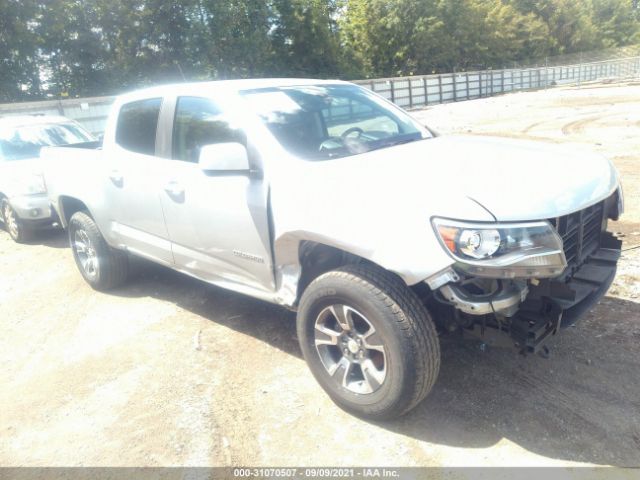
x,y
19,61
400,37
232,38
305,37
145,42
571,24
71,51
616,22
90,47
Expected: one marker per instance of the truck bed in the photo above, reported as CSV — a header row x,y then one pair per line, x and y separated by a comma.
x,y
71,170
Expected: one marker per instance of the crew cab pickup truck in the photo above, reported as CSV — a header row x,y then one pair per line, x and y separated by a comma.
x,y
24,205
327,199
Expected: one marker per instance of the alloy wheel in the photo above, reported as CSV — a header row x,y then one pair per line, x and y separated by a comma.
x,y
11,221
350,348
86,253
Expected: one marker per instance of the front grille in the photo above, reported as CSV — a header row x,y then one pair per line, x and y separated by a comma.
x,y
580,232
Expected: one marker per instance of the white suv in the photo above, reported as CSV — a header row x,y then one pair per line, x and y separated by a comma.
x,y
24,205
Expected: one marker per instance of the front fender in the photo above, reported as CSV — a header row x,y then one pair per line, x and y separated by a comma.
x,y
381,219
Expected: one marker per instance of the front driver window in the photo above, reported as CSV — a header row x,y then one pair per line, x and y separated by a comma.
x,y
199,122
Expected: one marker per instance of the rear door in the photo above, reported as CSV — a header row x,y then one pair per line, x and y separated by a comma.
x,y
218,224
135,179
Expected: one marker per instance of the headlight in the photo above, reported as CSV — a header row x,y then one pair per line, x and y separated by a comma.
x,y
503,250
32,184
476,243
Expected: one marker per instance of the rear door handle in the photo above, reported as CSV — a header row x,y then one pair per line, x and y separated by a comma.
x,y
174,189
116,177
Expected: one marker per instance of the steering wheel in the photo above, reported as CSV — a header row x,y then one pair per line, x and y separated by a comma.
x,y
351,130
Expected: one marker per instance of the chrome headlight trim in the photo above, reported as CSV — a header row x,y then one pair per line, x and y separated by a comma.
x,y
527,249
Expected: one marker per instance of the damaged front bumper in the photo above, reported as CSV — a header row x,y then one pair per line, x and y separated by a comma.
x,y
524,313
554,304
525,316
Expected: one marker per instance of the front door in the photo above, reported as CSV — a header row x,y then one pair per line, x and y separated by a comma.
x,y
218,224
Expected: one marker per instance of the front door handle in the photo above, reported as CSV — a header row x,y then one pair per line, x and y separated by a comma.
x,y
116,177
174,189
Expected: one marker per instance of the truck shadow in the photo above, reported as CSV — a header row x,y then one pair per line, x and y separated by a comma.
x,y
49,237
53,238
582,404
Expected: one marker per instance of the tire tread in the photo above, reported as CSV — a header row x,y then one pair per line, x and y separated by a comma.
x,y
411,316
115,270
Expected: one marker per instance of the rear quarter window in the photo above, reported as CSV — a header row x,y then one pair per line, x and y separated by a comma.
x,y
138,124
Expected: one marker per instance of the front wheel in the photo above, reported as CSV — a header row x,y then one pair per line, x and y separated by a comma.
x,y
101,266
14,225
368,340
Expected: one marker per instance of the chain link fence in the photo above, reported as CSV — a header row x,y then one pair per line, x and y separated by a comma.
x,y
407,92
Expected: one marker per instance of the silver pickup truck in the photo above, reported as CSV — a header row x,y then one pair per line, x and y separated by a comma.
x,y
325,198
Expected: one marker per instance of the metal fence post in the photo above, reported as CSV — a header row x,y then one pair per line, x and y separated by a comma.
x,y
410,94
393,93
455,85
426,92
580,70
546,72
467,85
521,80
440,88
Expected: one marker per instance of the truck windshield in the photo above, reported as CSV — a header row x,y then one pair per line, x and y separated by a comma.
x,y
321,122
18,143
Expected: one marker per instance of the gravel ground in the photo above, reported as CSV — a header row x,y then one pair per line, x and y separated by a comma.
x,y
170,371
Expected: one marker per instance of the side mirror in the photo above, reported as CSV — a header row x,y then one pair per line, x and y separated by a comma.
x,y
224,158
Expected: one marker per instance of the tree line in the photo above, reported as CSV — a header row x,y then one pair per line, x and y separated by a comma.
x,y
95,47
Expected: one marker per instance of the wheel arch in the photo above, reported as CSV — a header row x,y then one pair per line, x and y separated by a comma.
x,y
67,206
300,260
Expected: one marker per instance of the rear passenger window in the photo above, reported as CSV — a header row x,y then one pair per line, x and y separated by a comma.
x,y
199,122
137,126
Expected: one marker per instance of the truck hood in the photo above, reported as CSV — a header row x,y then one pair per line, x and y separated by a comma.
x,y
513,180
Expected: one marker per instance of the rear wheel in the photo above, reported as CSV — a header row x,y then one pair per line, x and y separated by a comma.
x,y
101,266
14,225
368,341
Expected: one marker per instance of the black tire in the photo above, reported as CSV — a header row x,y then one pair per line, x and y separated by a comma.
x,y
411,351
13,224
101,266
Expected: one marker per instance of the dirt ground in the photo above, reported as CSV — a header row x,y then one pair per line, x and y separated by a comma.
x,y
170,371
